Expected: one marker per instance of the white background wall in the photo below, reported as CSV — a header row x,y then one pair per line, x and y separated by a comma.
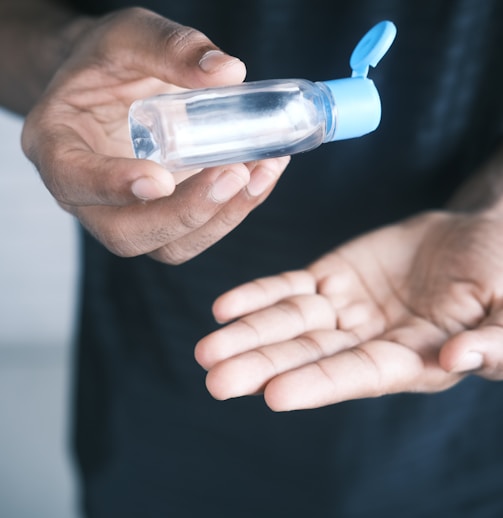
x,y
38,273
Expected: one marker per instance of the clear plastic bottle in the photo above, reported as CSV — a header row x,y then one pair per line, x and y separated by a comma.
x,y
201,128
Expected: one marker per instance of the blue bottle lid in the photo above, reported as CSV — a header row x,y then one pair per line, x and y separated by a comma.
x,y
357,101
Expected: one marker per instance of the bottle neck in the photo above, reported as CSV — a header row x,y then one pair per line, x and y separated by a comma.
x,y
355,107
330,110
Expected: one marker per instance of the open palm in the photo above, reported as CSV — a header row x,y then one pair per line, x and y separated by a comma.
x,y
410,307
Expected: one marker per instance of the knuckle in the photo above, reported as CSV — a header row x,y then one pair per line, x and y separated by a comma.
x,y
230,219
291,308
327,374
128,16
135,12
299,281
374,375
130,20
117,242
314,311
311,346
267,361
192,220
170,254
179,38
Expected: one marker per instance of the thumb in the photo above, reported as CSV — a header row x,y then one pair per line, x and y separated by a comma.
x,y
174,53
478,350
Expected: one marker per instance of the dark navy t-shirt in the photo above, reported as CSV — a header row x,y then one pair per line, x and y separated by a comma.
x,y
150,440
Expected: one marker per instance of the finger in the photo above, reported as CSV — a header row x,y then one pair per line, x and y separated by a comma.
x,y
249,372
284,320
77,176
138,40
144,227
261,293
479,351
373,369
171,52
263,177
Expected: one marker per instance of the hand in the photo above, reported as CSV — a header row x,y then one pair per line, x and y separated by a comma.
x,y
77,136
409,308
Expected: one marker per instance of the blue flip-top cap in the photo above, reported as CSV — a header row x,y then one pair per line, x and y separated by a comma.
x,y
356,98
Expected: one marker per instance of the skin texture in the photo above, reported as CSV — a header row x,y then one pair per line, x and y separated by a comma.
x,y
412,307
77,136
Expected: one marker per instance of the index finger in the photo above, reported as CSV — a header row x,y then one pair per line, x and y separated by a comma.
x,y
174,53
259,293
79,129
291,317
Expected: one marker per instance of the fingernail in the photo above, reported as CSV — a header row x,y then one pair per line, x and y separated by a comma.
x,y
227,185
145,189
214,60
469,362
261,180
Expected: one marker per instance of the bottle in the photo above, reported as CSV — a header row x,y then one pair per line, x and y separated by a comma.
x,y
213,126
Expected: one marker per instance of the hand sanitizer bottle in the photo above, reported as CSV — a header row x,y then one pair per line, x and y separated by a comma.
x,y
251,121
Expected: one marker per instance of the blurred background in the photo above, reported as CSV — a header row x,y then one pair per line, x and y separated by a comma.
x,y
38,278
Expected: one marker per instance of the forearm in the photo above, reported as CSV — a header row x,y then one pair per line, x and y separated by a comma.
x,y
35,38
484,190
